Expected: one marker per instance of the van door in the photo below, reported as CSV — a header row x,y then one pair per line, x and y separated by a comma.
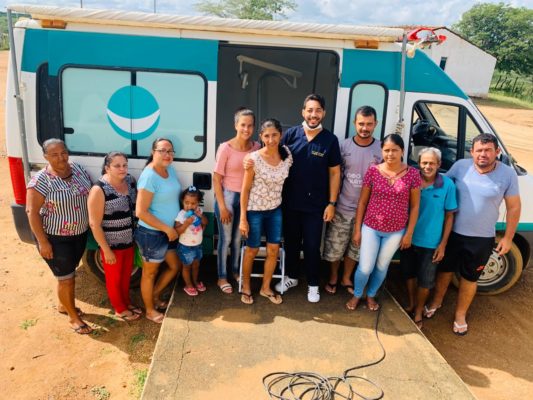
x,y
273,82
448,126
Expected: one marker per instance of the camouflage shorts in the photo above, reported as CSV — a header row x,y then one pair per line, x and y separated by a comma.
x,y
338,240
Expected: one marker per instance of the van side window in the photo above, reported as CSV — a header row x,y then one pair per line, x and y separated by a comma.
x,y
368,94
124,110
472,130
47,105
447,127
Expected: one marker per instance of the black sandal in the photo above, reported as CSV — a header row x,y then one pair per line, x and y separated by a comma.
x,y
330,288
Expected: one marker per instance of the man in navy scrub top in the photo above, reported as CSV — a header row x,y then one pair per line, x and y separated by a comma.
x,y
310,193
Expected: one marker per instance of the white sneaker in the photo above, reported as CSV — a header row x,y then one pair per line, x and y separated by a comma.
x,y
287,284
313,296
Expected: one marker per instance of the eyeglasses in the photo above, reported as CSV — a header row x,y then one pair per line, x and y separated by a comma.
x,y
165,152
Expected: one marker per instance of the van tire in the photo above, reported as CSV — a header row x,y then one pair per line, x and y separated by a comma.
x,y
93,259
501,272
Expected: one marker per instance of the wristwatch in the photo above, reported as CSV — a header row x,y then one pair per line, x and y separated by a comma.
x,y
332,203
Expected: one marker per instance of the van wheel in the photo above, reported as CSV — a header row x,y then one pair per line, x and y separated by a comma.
x,y
94,260
500,273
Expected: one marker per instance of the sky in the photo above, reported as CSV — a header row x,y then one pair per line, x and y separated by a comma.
x,y
351,12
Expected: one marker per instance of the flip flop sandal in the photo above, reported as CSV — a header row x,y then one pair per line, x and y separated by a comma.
x,y
274,297
330,288
78,311
158,319
130,318
83,329
162,306
372,305
201,287
135,309
247,298
347,288
191,291
226,288
350,307
458,329
430,312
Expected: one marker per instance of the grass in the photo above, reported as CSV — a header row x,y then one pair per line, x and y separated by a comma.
x,y
139,381
500,99
28,323
107,321
100,393
136,339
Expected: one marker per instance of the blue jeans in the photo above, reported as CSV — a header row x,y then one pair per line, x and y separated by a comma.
x,y
229,234
268,221
377,250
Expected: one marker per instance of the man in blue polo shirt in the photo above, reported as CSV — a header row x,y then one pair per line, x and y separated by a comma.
x,y
438,202
309,193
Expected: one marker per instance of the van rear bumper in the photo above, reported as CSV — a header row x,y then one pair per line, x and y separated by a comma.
x,y
21,223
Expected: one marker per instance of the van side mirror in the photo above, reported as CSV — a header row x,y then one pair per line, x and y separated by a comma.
x,y
504,158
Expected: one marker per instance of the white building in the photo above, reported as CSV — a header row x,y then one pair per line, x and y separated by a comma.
x,y
468,65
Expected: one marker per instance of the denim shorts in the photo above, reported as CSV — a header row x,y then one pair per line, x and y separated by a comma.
x,y
268,221
187,254
153,245
417,262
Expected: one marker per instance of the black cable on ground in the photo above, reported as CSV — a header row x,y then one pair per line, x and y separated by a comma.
x,y
313,386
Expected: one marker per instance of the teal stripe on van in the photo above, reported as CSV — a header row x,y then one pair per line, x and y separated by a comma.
x,y
522,226
422,74
59,47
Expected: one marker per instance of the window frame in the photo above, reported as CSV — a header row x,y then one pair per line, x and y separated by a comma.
x,y
461,134
349,122
133,71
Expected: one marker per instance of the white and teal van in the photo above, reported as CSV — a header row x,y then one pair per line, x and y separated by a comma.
x,y
113,80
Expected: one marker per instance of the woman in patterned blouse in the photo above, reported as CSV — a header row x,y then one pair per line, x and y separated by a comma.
x,y
261,207
56,204
111,217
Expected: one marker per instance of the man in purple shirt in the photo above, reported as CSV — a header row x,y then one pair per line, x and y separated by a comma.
x,y
358,153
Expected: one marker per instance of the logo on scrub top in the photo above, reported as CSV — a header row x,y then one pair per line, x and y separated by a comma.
x,y
133,112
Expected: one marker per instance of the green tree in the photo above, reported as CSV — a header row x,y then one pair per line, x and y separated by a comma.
x,y
246,9
502,30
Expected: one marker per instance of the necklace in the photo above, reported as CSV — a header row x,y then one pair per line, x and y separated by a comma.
x,y
66,177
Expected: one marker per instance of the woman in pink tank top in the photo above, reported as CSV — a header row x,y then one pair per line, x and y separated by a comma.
x,y
227,182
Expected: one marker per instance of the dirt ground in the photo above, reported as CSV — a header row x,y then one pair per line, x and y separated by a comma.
x,y
40,358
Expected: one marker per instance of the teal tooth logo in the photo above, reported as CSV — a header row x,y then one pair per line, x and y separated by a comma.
x,y
133,112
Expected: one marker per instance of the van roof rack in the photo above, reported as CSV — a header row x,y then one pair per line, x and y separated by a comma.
x,y
208,23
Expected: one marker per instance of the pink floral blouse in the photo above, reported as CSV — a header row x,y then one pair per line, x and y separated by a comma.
x,y
388,207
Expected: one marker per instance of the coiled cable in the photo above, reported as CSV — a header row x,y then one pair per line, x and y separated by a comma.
x,y
313,386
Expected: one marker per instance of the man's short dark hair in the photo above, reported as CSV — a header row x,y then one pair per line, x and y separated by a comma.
x,y
315,97
366,111
485,138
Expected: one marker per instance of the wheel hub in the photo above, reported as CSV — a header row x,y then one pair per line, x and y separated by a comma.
x,y
494,271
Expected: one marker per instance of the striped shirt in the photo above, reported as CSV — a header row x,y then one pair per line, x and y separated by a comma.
x,y
64,211
118,220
